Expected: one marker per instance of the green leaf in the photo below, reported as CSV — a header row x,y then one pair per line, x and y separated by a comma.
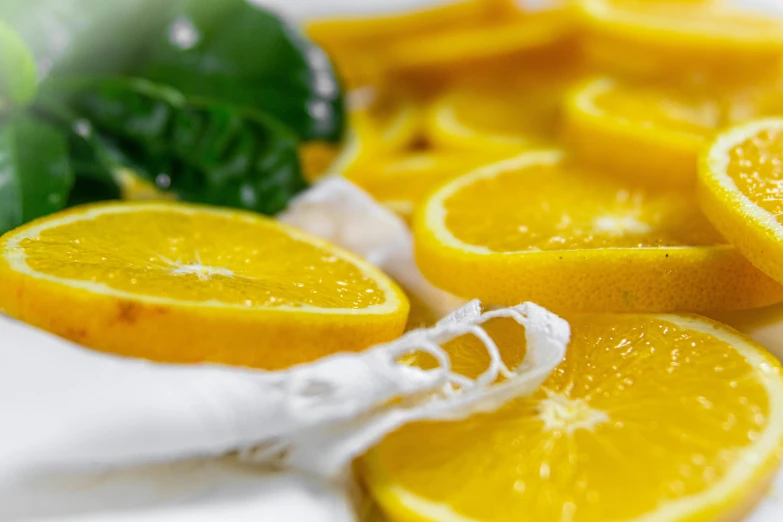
x,y
203,151
236,51
94,180
35,173
86,36
17,68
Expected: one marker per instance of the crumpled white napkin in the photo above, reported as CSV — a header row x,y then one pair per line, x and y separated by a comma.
x,y
72,417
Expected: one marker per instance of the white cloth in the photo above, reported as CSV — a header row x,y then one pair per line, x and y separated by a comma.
x,y
71,417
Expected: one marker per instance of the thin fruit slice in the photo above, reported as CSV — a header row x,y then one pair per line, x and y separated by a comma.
x,y
656,418
741,191
763,325
655,132
534,228
499,115
654,37
185,283
491,39
380,127
402,182
385,26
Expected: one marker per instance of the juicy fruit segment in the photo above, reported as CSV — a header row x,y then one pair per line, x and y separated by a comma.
x,y
199,260
401,183
495,38
500,116
654,38
756,168
655,131
740,190
677,416
184,283
536,228
565,209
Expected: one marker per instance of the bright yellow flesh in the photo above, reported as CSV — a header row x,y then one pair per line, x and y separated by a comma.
x,y
741,191
535,228
184,283
403,182
490,39
674,110
189,257
559,208
756,168
657,38
648,415
508,113
654,131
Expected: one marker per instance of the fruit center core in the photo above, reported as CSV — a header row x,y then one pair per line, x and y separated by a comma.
x,y
560,413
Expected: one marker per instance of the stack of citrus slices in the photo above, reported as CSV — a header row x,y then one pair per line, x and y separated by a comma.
x,y
572,155
619,162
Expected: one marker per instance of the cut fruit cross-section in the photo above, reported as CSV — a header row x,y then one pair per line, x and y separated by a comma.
x,y
741,191
535,228
654,132
654,418
185,283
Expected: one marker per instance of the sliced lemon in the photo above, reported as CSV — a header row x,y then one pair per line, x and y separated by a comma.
x,y
741,191
654,131
402,182
534,228
655,418
654,37
185,283
498,116
491,39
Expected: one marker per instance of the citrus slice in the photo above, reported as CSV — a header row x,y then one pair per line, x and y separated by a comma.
x,y
741,191
534,228
402,182
656,418
390,25
491,39
498,116
763,325
379,128
654,37
184,283
653,131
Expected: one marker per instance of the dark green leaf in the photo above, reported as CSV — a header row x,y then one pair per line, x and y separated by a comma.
x,y
89,36
35,173
203,151
235,51
17,69
94,180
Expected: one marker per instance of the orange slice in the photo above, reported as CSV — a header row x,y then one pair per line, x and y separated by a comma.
x,y
499,115
534,228
741,191
655,418
652,131
489,39
402,182
185,283
655,37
